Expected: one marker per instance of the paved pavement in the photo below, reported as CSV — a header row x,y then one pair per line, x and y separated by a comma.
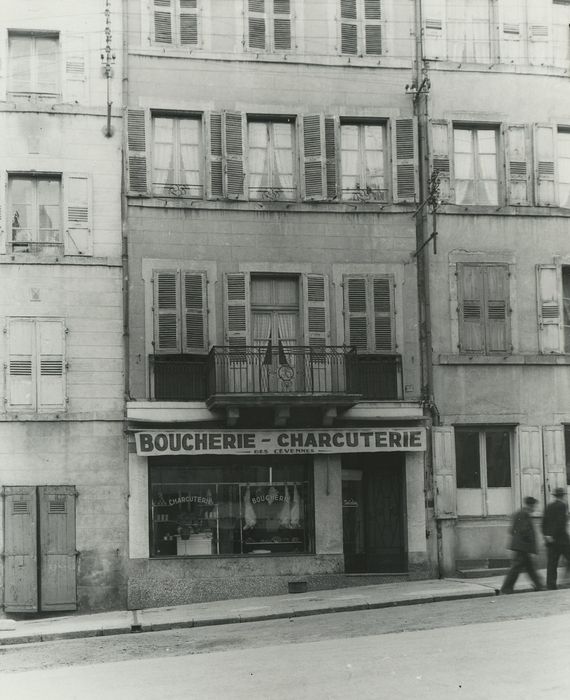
x,y
225,612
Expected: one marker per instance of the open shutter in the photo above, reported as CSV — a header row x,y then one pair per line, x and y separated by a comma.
x,y
404,161
373,27
256,25
539,18
194,313
189,23
348,28
20,374
382,289
235,129
51,364
470,311
78,208
530,462
497,309
237,310
445,491
215,155
517,162
434,30
313,139
316,310
75,53
163,25
545,164
20,549
441,161
137,152
548,287
167,312
282,25
330,157
554,457
356,320
3,211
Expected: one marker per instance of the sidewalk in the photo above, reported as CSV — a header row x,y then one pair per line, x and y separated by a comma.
x,y
225,612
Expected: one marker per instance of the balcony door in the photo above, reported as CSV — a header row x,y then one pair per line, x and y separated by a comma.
x,y
276,331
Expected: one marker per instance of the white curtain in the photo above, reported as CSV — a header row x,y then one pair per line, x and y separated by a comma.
x,y
468,29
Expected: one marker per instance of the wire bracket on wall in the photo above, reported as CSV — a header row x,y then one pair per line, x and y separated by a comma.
x,y
432,201
108,58
416,91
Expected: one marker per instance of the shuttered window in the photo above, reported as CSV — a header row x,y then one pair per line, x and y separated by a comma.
x,y
563,157
180,312
476,165
269,25
271,162
363,162
33,64
176,22
553,308
361,27
369,313
35,213
177,156
36,364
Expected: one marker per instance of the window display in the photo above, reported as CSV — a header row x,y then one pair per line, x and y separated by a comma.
x,y
230,509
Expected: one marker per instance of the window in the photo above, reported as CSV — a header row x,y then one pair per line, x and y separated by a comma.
x,y
484,309
176,22
177,156
483,469
271,162
476,168
34,64
553,285
564,168
369,313
468,26
35,213
363,162
214,508
361,27
567,452
269,25
36,364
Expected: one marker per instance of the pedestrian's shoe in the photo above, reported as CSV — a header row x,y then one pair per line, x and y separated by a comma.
x,y
538,588
506,591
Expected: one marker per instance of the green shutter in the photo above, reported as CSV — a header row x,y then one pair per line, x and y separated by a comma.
x,y
237,309
517,161
404,159
20,549
548,285
356,319
545,164
78,210
50,336
313,139
316,310
21,371
163,16
234,130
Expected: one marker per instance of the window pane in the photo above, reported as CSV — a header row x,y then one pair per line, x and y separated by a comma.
x,y
498,458
46,56
190,172
567,448
373,144
163,152
20,63
21,196
48,211
467,459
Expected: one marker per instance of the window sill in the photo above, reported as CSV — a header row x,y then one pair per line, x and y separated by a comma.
x,y
503,210
531,359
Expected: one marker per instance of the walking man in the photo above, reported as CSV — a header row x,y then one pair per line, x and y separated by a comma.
x,y
556,535
523,544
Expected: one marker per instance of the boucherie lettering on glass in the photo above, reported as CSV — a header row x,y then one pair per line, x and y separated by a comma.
x,y
277,442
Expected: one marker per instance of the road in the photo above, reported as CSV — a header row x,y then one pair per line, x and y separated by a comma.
x,y
505,647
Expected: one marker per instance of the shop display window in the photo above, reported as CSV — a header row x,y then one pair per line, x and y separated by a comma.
x,y
250,509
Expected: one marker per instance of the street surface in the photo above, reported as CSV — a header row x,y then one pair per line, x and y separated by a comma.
x,y
490,648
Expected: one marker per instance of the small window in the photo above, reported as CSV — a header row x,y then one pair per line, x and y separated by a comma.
x,y
271,164
33,64
363,162
361,30
177,157
176,23
476,165
564,168
35,213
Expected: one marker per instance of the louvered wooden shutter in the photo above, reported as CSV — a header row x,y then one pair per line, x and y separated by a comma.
x,y
545,164
444,472
511,31
356,317
3,211
215,155
78,208
517,161
21,370
20,549
313,159
237,310
405,169
282,25
497,326
51,364
234,131
348,28
548,285
383,308
530,461
441,161
316,310
539,23
194,313
167,325
331,131
434,29
373,27
256,24
471,313
163,24
74,49
137,160
554,457
189,23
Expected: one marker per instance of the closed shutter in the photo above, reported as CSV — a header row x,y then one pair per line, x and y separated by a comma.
x,y
316,310
404,161
445,484
548,285
517,161
545,164
441,162
21,370
434,30
348,28
539,19
215,155
530,462
373,27
78,209
497,308
137,151
313,138
167,312
282,25
3,211
234,132
163,21
51,364
256,27
471,313
20,549
74,49
383,309
554,457
189,23
512,32
194,313
356,317
237,310
330,157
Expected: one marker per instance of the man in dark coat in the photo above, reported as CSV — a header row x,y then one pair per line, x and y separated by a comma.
x,y
556,535
523,544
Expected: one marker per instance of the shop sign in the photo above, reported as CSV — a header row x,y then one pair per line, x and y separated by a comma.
x,y
279,442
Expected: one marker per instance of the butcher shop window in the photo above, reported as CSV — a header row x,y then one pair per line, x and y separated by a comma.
x,y
205,509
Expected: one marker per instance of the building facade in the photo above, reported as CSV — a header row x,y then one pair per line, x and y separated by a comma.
x,y
62,450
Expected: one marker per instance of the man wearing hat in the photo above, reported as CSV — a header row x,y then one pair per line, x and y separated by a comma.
x,y
556,535
523,544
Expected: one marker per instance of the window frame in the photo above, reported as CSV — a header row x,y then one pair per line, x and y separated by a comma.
x,y
366,194
33,36
175,25
473,129
566,131
272,192
34,244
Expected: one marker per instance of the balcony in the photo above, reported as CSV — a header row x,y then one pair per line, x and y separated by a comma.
x,y
257,376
